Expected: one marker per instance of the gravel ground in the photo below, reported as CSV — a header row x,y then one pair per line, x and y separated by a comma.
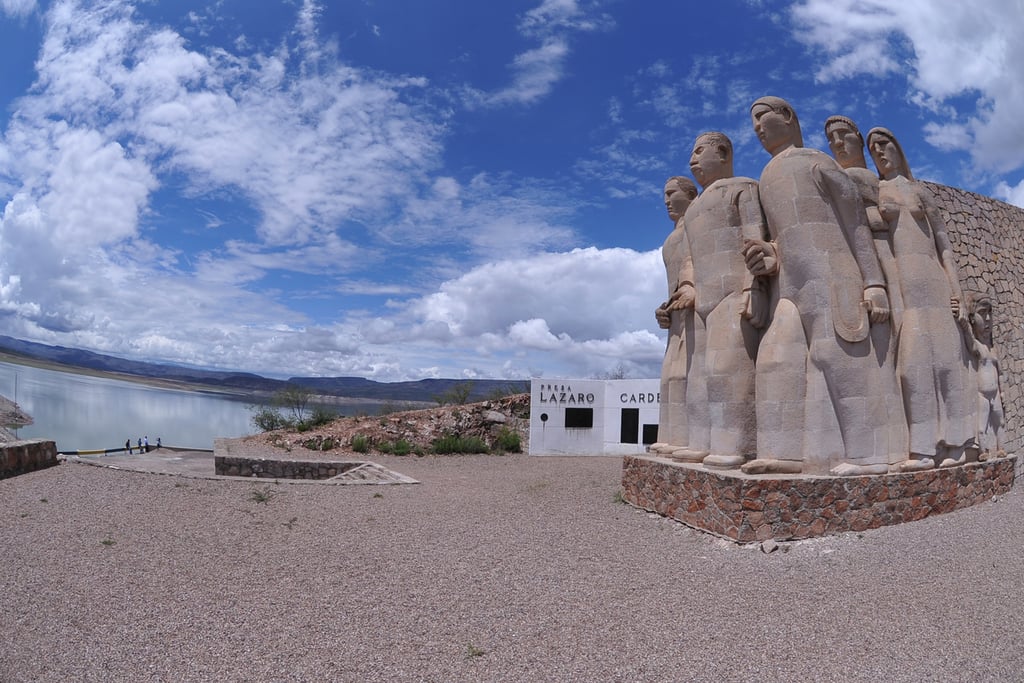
x,y
494,568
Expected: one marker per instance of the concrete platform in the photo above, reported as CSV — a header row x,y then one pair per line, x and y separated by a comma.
x,y
200,465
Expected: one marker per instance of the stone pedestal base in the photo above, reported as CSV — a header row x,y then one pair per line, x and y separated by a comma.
x,y
19,457
747,508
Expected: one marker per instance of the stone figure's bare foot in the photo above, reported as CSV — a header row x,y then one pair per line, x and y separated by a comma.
x,y
985,455
769,466
1000,453
688,455
723,462
953,462
847,469
661,448
917,464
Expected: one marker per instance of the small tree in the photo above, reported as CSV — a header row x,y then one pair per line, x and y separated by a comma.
x,y
458,395
618,372
295,400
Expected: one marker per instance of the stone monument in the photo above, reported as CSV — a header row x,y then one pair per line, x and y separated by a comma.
x,y
827,401
932,360
838,375
730,303
985,367
676,316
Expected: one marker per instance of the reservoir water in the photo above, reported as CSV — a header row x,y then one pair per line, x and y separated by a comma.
x,y
81,412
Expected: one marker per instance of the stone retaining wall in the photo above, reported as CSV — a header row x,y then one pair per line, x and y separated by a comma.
x,y
988,240
747,508
269,468
19,457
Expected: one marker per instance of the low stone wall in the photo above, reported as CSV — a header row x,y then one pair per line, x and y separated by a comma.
x,y
747,508
19,457
270,468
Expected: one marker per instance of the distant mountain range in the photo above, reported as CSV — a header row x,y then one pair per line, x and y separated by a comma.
x,y
348,387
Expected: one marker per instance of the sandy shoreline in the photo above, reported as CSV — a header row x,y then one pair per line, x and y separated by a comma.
x,y
493,568
16,359
236,394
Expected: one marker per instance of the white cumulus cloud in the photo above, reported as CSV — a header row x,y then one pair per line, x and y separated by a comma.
x,y
17,8
963,63
537,70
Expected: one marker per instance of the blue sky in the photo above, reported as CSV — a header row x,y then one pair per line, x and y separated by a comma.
x,y
402,189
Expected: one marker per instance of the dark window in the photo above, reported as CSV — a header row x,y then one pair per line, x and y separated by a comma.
x,y
579,418
650,434
629,429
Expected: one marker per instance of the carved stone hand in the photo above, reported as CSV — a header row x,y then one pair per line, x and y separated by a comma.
x,y
877,302
760,257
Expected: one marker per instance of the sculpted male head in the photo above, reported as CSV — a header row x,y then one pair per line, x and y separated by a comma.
x,y
711,159
845,141
776,124
888,154
679,192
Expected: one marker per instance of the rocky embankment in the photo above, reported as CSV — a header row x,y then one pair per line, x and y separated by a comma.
x,y
11,415
486,420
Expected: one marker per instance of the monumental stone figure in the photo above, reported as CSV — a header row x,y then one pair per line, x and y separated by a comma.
x,y
730,301
932,361
676,316
985,367
847,145
827,402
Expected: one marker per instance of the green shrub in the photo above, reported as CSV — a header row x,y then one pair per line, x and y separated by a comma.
x,y
320,417
320,443
452,443
507,441
360,443
261,495
267,419
399,447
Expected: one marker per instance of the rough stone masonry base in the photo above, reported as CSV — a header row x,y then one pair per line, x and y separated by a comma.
x,y
748,508
19,457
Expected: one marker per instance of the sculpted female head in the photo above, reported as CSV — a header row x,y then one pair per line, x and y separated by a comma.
x,y
888,154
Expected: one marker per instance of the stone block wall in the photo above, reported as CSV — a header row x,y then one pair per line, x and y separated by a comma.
x,y
748,508
988,240
271,468
19,457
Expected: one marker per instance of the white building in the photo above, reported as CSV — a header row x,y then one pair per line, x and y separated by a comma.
x,y
593,416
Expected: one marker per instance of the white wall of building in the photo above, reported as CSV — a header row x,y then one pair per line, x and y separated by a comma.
x,y
592,416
